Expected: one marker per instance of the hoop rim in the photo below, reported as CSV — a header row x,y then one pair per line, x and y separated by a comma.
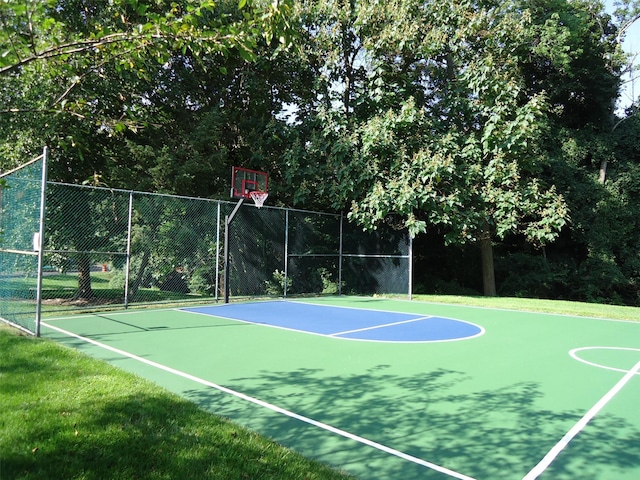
x,y
258,197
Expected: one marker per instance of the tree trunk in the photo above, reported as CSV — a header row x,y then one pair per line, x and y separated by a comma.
x,y
137,282
603,172
85,292
488,275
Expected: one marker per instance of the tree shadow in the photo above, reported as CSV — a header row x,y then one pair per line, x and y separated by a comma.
x,y
437,416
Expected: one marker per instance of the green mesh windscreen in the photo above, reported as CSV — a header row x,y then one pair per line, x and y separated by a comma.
x,y
20,198
314,252
375,261
324,254
256,251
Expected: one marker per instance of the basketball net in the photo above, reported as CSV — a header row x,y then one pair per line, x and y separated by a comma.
x,y
258,198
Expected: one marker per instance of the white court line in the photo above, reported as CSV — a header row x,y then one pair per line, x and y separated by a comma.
x,y
380,326
271,407
574,354
578,427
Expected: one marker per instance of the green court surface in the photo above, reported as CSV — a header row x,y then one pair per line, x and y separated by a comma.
x,y
535,396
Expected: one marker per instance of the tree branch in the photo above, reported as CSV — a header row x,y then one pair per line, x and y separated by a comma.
x,y
40,110
93,69
626,26
72,48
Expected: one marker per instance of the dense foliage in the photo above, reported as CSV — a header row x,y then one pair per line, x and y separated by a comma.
x,y
480,126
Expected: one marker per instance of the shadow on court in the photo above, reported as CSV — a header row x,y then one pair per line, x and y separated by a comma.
x,y
488,434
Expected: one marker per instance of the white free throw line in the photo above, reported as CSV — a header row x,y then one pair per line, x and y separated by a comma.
x,y
379,326
271,407
578,427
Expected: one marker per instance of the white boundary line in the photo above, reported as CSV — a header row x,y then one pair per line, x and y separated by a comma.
x,y
578,427
271,407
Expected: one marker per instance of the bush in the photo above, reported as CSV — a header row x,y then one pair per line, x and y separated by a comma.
x,y
203,282
276,285
329,286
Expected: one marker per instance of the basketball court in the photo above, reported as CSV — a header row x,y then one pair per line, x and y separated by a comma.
x,y
395,389
382,389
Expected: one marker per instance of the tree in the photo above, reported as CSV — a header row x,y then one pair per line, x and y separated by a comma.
x,y
80,75
132,31
441,129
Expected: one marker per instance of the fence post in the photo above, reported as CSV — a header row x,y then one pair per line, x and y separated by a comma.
x,y
217,254
340,257
43,206
410,267
128,260
286,252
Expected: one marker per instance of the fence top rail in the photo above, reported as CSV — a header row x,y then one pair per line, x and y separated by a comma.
x,y
39,157
85,252
122,190
18,252
184,197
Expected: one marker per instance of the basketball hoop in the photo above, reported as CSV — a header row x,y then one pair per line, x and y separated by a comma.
x,y
258,198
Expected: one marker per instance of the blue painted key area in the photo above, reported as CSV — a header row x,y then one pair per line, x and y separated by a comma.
x,y
346,323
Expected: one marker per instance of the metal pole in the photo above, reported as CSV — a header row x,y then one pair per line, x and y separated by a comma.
x,y
43,206
128,262
410,267
286,252
340,258
218,252
226,258
227,222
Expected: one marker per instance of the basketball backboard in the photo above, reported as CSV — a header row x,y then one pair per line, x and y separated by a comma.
x,y
245,181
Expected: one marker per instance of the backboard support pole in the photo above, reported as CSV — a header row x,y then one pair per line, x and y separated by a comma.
x,y
227,222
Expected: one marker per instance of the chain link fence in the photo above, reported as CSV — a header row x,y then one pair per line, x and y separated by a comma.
x,y
21,194
107,247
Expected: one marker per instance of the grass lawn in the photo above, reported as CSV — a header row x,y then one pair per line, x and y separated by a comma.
x,y
560,307
68,416
65,285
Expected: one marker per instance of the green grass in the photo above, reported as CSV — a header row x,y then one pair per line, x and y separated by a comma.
x,y
66,415
70,281
535,305
64,286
